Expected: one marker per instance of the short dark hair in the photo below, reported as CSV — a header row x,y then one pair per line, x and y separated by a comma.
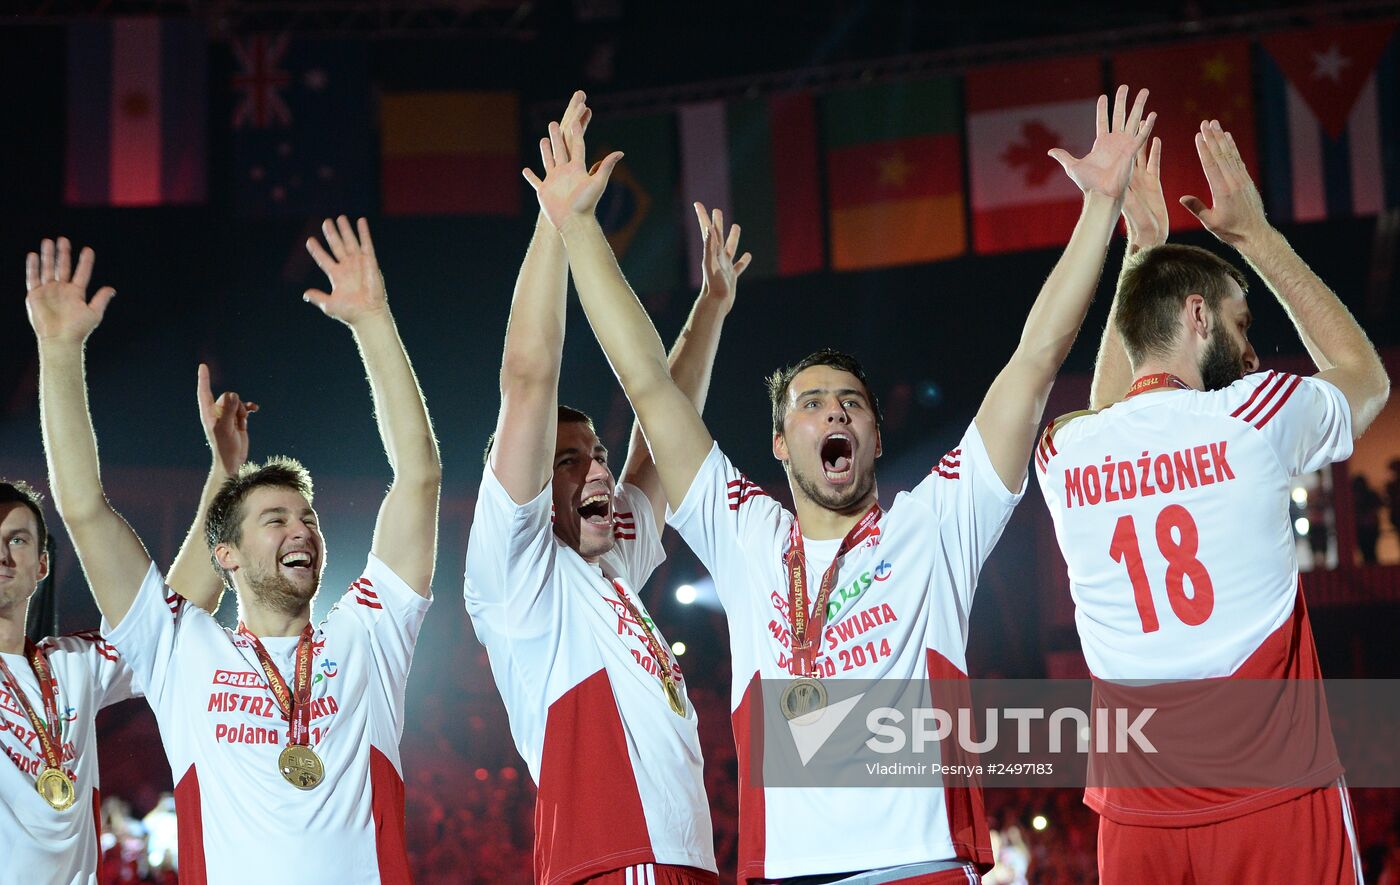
x,y
223,522
1155,285
780,379
567,415
17,491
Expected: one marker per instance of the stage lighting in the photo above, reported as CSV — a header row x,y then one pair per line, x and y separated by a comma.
x,y
685,594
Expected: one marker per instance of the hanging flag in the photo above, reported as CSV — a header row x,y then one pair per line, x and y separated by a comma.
x,y
894,174
757,160
1192,82
137,126
450,153
1327,94
640,211
1021,198
300,143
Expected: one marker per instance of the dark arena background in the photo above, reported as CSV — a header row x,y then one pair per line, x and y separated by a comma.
x,y
419,115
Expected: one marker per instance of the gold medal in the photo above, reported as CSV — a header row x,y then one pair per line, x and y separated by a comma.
x,y
57,789
673,695
801,697
301,767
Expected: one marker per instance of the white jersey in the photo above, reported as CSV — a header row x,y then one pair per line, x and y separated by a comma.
x,y
39,845
620,774
1172,512
904,595
239,820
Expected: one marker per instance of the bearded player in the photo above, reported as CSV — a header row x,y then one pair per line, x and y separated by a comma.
x,y
1189,571
50,691
826,433
282,736
557,556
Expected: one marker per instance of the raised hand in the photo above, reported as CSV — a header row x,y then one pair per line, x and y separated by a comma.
x,y
569,188
1144,207
56,299
1109,163
719,271
225,422
357,286
1236,212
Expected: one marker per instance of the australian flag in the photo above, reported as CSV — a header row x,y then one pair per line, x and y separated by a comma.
x,y
301,145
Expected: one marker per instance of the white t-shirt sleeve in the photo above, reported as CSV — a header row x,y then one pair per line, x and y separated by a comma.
x,y
971,506
111,677
721,512
1305,420
639,550
146,638
391,614
510,557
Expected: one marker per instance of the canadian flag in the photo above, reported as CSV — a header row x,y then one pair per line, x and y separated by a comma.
x,y
1021,198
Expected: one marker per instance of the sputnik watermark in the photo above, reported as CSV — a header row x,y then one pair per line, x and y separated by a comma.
x,y
931,725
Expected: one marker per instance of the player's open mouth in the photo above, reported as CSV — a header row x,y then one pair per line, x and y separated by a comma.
x,y
298,561
596,509
836,454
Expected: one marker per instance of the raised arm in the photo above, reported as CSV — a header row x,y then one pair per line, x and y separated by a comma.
x,y
568,195
1338,345
113,558
405,533
1145,216
692,357
225,423
522,449
1011,412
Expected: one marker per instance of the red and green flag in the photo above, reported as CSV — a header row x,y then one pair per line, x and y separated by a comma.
x,y
894,174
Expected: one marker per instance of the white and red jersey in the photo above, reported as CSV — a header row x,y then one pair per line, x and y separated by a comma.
x,y
37,843
901,601
620,774
239,820
1172,512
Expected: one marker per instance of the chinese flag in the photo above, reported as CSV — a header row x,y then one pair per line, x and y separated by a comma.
x,y
1193,82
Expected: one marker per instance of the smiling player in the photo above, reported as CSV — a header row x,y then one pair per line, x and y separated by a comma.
x,y
932,542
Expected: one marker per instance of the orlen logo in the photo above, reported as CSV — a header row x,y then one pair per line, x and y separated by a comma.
x,y
236,679
883,571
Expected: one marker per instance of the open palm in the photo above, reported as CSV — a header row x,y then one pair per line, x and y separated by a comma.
x,y
56,300
1108,166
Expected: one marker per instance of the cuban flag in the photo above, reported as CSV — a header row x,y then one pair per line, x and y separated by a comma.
x,y
1329,99
137,112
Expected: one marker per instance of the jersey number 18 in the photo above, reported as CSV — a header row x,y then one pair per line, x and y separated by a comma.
x,y
1182,564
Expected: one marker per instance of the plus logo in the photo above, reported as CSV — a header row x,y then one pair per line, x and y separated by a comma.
x,y
883,571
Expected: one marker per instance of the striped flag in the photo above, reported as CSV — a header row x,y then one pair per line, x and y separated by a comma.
x,y
137,112
757,160
1021,198
894,174
1329,100
450,152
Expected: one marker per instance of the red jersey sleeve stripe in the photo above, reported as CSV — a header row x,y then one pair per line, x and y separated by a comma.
x,y
943,473
1278,384
366,603
1279,401
1258,390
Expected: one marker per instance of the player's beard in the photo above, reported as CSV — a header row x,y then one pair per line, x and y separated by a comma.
x,y
842,501
275,593
1222,364
591,549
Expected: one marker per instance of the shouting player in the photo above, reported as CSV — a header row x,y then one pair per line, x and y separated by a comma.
x,y
50,691
282,736
557,555
1183,567
928,548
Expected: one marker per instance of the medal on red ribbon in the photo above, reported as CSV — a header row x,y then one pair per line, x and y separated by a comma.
x,y
297,762
806,694
53,782
663,661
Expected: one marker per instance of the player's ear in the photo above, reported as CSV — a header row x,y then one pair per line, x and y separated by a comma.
x,y
43,565
879,443
1197,315
226,557
780,447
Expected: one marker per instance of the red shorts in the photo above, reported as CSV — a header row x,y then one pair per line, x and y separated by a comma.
x,y
655,874
1310,839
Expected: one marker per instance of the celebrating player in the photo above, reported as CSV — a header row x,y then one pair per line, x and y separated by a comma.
x,y
927,550
1184,567
555,561
48,826
282,737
